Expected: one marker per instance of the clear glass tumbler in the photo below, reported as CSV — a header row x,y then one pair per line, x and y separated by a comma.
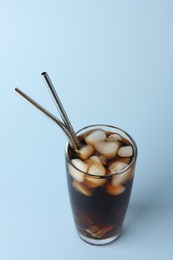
x,y
99,203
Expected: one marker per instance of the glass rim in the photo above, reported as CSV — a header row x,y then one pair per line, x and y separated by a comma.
x,y
135,150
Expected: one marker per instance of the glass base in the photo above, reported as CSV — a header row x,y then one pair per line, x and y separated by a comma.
x,y
97,242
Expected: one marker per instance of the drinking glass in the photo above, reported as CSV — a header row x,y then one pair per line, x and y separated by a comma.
x,y
99,203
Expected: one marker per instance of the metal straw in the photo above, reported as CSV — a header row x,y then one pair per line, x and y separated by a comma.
x,y
60,107
49,115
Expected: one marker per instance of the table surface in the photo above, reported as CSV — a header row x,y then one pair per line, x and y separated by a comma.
x,y
111,62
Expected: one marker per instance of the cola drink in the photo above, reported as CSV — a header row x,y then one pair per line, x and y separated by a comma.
x,y
100,176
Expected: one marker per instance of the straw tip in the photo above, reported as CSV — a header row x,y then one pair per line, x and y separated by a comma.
x,y
15,90
43,73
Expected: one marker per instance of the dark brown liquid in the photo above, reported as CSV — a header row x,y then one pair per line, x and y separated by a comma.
x,y
100,215
99,211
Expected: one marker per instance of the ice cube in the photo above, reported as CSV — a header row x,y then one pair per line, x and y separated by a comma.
x,y
95,136
81,188
86,151
117,166
114,137
92,159
119,178
125,151
95,159
94,182
99,159
96,168
102,159
77,174
98,232
108,149
124,159
115,190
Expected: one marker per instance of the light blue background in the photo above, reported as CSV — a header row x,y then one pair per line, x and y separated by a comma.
x,y
111,62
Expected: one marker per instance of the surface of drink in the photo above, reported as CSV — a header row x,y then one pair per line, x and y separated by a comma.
x,y
100,177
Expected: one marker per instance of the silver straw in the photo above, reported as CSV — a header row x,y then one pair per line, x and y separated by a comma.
x,y
60,107
48,114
